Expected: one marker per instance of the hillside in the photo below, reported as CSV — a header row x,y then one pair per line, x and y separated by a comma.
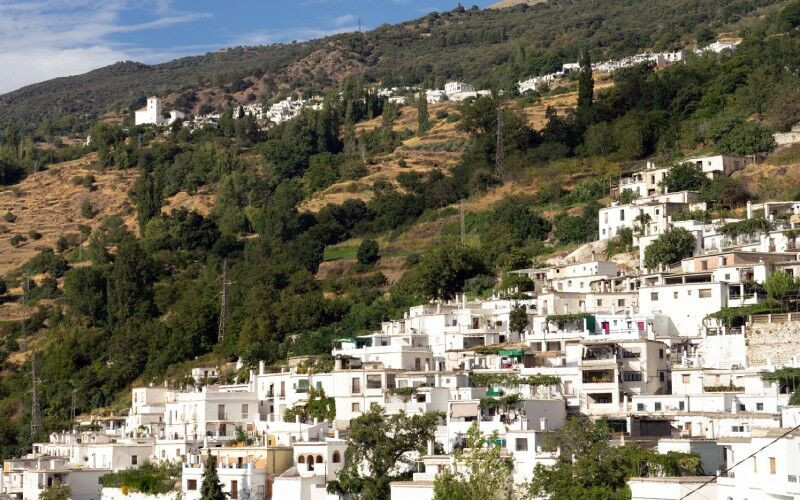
x,y
460,44
504,4
49,203
330,223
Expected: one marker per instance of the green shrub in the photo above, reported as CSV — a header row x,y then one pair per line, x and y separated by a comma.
x,y
368,252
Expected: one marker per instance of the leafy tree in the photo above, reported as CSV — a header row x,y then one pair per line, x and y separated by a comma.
x,y
105,139
146,195
570,229
788,18
669,248
780,286
684,177
368,252
745,139
85,292
589,466
378,447
57,491
518,319
211,488
627,196
441,273
130,282
488,471
724,192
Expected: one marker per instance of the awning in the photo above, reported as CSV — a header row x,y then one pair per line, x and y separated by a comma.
x,y
464,409
514,353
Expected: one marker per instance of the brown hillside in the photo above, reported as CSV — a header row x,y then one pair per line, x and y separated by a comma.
x,y
49,202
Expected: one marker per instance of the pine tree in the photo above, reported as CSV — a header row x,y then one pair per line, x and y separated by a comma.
x,y
422,113
585,83
211,489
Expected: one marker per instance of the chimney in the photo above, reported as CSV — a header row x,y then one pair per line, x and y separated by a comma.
x,y
261,367
335,433
543,424
337,364
430,447
297,419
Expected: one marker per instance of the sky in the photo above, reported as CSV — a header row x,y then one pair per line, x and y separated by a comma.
x,y
43,39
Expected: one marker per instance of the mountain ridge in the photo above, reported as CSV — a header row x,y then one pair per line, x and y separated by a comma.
x,y
460,44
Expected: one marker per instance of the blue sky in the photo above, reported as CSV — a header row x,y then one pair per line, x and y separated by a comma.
x,y
43,39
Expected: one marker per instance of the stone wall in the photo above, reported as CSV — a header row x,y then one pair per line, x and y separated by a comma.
x,y
777,343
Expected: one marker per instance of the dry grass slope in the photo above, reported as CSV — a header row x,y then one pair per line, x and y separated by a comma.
x,y
49,203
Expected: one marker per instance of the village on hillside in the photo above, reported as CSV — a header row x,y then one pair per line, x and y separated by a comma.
x,y
679,357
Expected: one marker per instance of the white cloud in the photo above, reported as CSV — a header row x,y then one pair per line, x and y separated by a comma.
x,y
40,40
345,20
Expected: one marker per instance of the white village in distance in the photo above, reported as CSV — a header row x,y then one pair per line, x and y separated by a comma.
x,y
642,349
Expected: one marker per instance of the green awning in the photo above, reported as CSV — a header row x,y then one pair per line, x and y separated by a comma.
x,y
515,353
347,339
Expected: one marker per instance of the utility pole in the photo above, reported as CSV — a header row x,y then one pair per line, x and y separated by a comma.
x,y
463,226
223,303
34,400
359,25
499,157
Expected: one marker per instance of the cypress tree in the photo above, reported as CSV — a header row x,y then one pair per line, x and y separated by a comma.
x,y
585,83
211,489
422,113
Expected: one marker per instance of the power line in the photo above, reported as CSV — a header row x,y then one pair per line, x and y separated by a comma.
x,y
223,303
34,400
742,460
463,225
499,155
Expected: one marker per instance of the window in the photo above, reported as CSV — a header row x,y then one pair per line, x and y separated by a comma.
x,y
220,412
632,376
374,382
704,265
417,364
661,354
674,295
660,376
301,459
599,302
760,406
639,406
685,378
319,459
657,407
622,215
620,302
355,407
355,386
245,410
681,405
191,484
521,444
654,296
337,457
134,460
772,466
705,293
725,263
